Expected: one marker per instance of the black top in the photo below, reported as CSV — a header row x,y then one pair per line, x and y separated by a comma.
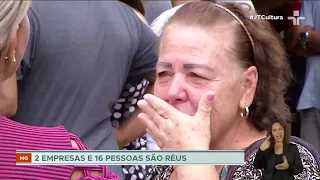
x,y
278,175
267,160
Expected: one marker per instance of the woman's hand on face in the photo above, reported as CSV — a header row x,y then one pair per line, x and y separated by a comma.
x,y
174,130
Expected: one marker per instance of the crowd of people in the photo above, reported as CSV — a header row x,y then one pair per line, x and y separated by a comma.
x,y
160,75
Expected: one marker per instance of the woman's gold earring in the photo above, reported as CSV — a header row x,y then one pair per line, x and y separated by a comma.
x,y
13,59
245,114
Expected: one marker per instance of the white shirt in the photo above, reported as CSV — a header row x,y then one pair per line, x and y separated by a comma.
x,y
160,21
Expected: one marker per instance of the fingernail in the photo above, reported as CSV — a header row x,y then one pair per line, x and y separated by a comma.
x,y
148,130
210,96
146,97
140,103
139,116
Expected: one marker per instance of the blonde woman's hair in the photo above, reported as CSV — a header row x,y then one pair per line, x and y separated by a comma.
x,y
11,13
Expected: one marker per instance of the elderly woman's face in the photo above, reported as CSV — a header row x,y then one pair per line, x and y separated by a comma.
x,y
192,62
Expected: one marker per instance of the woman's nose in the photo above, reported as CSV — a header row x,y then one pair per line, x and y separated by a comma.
x,y
177,92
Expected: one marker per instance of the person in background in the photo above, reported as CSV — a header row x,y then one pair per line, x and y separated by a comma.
x,y
284,28
298,66
306,42
137,7
157,24
221,81
75,69
154,8
179,2
133,93
14,36
8,91
126,106
265,7
277,157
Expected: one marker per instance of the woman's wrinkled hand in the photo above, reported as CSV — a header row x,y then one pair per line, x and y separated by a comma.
x,y
174,130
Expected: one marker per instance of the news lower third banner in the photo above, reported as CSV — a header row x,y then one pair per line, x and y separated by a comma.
x,y
128,157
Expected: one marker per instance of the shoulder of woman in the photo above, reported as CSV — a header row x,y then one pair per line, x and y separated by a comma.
x,y
310,159
303,147
76,143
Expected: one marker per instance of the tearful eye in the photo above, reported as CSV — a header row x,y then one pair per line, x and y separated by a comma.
x,y
195,75
163,73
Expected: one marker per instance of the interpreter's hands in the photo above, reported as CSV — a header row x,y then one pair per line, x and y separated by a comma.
x,y
284,165
174,130
266,144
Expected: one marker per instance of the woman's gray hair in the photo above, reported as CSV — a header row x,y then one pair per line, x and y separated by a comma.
x,y
11,13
